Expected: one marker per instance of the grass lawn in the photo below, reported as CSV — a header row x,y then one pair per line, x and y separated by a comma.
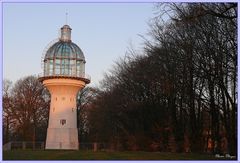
x,y
100,155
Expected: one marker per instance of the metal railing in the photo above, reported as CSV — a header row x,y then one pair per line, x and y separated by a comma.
x,y
84,76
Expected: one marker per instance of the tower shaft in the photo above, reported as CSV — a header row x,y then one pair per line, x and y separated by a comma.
x,y
62,127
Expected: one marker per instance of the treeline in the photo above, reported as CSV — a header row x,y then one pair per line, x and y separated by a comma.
x,y
180,93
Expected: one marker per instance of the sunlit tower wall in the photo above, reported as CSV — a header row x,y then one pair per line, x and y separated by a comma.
x,y
64,76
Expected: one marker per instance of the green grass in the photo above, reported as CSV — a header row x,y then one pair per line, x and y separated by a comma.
x,y
100,155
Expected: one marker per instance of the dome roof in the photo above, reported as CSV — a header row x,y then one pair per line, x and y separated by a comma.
x,y
62,49
64,59
66,26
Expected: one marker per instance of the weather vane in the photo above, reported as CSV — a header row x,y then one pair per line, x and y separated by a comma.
x,y
66,17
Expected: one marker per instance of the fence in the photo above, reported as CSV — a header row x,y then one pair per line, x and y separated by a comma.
x,y
25,145
93,146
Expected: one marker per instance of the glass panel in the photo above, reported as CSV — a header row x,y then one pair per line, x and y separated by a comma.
x,y
82,69
65,67
62,66
57,66
67,51
45,68
72,68
50,67
78,68
64,54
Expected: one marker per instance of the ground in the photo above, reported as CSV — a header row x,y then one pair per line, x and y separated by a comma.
x,y
100,155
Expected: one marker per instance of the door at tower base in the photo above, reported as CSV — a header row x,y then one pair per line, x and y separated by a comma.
x,y
62,138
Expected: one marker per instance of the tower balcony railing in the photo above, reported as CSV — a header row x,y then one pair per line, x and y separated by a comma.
x,y
66,74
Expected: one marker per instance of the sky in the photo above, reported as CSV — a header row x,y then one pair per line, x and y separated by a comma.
x,y
104,32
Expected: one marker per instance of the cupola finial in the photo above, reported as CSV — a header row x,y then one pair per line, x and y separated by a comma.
x,y
66,33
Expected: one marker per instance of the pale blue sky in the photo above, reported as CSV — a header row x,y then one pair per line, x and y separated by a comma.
x,y
102,30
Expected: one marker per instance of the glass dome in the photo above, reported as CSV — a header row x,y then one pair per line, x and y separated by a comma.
x,y
64,58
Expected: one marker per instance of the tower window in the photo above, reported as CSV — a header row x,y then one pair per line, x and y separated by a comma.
x,y
53,109
56,98
63,121
63,98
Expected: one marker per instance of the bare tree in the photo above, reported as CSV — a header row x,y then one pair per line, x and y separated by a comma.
x,y
7,110
29,109
181,94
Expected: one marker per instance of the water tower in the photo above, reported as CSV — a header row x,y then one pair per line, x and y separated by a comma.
x,y
64,75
